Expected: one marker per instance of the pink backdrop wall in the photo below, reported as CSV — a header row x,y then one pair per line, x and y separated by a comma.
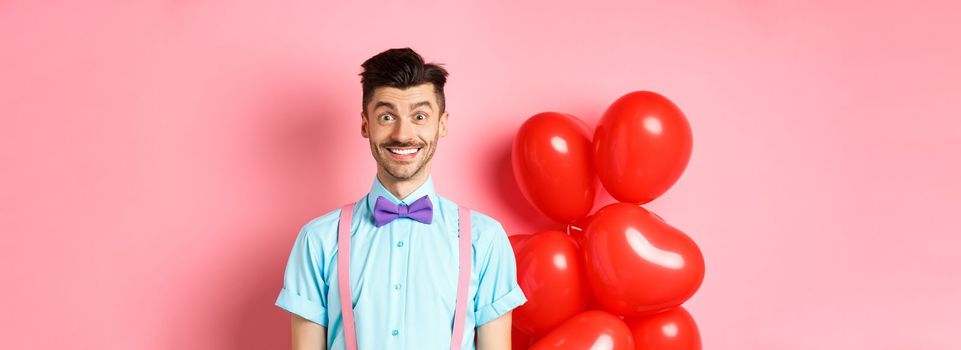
x,y
158,157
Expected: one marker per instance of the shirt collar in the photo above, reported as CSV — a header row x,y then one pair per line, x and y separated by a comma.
x,y
377,189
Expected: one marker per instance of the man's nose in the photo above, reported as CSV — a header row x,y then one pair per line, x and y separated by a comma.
x,y
403,131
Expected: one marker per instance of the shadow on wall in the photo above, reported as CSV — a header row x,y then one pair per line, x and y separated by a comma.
x,y
303,139
520,216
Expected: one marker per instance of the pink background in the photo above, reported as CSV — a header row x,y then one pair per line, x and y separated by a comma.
x,y
159,156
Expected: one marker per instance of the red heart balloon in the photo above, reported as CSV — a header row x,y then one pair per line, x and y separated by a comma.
x,y
551,158
637,263
576,229
593,329
642,144
673,329
520,340
550,271
517,241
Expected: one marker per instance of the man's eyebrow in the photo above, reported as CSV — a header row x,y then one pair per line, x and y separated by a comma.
x,y
384,104
422,103
391,105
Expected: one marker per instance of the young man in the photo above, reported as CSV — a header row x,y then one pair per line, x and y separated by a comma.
x,y
404,240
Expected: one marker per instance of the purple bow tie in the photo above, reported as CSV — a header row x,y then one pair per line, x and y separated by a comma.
x,y
385,211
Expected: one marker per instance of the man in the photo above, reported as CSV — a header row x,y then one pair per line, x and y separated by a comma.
x,y
403,267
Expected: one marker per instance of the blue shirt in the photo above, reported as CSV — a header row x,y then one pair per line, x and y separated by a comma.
x,y
403,275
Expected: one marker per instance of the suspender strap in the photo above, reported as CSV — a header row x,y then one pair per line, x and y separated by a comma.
x,y
463,277
343,276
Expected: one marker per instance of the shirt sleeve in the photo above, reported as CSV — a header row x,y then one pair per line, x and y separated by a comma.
x,y
305,289
497,290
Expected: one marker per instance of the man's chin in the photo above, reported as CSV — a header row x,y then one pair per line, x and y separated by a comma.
x,y
402,173
401,177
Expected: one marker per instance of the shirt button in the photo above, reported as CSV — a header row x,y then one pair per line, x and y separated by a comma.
x,y
397,286
394,332
400,244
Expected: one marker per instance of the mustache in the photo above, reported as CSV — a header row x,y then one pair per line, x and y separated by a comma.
x,y
403,145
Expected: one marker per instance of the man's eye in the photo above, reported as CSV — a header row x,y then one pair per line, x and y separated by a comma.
x,y
386,117
421,116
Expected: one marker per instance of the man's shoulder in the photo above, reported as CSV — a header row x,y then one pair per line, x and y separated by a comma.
x,y
483,221
322,227
485,228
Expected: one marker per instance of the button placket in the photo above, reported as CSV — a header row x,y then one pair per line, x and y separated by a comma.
x,y
399,260
404,254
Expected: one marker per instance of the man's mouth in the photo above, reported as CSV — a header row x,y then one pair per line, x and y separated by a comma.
x,y
403,153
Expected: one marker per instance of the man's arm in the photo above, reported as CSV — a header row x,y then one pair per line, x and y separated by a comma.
x,y
496,334
307,335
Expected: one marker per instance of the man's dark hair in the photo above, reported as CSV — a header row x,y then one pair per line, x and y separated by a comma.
x,y
401,68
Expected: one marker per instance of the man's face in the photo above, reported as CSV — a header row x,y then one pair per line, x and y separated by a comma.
x,y
403,127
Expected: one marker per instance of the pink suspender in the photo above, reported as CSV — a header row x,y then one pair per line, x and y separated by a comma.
x,y
463,277
343,276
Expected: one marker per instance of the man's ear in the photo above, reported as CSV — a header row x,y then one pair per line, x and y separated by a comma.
x,y
443,124
363,125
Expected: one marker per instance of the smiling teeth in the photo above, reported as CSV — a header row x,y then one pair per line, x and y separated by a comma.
x,y
404,151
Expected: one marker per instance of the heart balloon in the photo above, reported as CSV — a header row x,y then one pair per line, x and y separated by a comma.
x,y
576,229
642,144
673,329
520,340
637,263
551,158
550,271
591,330
517,241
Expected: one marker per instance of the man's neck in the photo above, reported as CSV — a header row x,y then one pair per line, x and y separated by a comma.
x,y
402,188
